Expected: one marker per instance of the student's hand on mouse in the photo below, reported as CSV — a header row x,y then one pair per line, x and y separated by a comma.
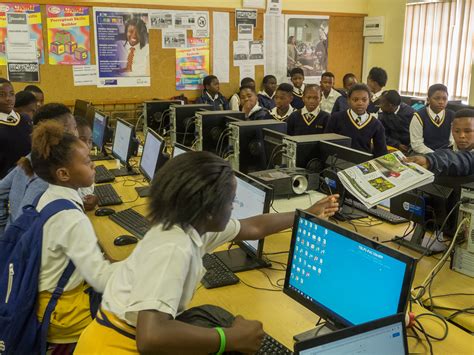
x,y
90,202
420,160
245,336
326,207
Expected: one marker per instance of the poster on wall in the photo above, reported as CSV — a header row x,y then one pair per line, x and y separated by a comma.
x,y
68,34
23,72
35,27
122,48
192,64
307,45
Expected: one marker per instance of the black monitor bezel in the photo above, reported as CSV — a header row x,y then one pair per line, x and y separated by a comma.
x,y
158,156
130,141
320,309
106,117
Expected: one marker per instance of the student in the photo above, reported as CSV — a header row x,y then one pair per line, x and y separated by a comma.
x,y
430,127
395,116
15,130
365,130
26,104
329,94
310,119
211,94
144,305
446,162
20,187
283,98
341,104
266,96
297,79
463,130
136,49
376,81
62,160
234,102
250,106
39,94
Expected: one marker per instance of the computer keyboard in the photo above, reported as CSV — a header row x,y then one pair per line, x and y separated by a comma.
x,y
377,212
132,221
271,346
107,195
102,174
100,156
218,274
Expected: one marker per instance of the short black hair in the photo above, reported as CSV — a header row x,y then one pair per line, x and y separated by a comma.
x,y
358,87
189,188
392,97
81,121
311,86
33,88
208,80
267,78
24,98
246,81
296,71
247,87
327,74
464,113
379,75
288,88
50,111
437,87
347,77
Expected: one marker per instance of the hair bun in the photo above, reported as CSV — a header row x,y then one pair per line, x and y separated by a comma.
x,y
45,136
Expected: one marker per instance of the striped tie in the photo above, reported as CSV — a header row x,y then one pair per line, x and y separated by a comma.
x,y
131,54
437,119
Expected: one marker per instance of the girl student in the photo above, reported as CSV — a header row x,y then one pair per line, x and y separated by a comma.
x,y
62,160
144,304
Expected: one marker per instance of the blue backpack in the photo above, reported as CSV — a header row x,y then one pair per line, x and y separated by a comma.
x,y
20,259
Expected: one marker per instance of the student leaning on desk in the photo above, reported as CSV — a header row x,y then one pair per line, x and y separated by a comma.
x,y
144,304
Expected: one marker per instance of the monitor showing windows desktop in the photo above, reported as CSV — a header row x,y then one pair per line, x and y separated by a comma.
x,y
345,278
123,146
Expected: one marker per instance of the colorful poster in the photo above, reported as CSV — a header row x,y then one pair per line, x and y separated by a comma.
x,y
68,34
34,23
192,64
121,37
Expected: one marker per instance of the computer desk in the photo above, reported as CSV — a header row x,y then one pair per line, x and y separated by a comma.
x,y
283,317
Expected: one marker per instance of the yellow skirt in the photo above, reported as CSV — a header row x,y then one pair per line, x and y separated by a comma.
x,y
101,339
70,317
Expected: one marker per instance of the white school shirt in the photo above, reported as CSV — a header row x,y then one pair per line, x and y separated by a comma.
x,y
363,118
376,95
275,115
234,102
327,103
163,271
69,235
141,60
315,112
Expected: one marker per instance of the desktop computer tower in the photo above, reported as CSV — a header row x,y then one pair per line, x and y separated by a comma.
x,y
182,122
156,115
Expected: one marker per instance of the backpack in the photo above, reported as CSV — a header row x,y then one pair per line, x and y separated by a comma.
x,y
20,259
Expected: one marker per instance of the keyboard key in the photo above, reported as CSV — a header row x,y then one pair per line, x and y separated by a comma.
x,y
102,174
107,195
132,221
218,274
271,346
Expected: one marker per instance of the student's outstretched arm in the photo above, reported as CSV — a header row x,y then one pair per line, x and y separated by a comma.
x,y
446,162
258,227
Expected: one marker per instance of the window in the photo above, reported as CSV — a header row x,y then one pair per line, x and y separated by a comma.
x,y
438,47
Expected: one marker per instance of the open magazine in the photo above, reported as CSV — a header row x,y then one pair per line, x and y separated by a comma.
x,y
385,177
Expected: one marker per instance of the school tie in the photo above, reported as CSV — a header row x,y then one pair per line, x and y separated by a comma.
x,y
437,119
131,54
359,120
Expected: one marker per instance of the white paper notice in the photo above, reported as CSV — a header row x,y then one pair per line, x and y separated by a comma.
x,y
84,75
247,71
21,52
18,30
174,39
254,4
221,46
160,19
275,42
245,32
274,7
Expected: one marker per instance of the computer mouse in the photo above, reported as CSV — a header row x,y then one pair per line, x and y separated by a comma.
x,y
104,211
125,240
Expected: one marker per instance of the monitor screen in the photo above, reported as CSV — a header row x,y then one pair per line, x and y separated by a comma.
x,y
98,129
344,276
150,155
122,140
179,149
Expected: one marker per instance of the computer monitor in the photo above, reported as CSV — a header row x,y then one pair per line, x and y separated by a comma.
x,y
90,115
179,149
99,129
344,277
273,147
383,336
252,198
156,115
123,147
80,107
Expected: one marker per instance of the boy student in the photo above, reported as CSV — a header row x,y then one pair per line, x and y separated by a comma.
x,y
310,119
297,79
365,130
376,80
15,130
395,116
211,94
430,127
234,102
341,104
144,306
26,104
463,130
266,96
39,94
250,106
329,95
283,98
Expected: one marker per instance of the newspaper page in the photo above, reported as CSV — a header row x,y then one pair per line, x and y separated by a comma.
x,y
385,177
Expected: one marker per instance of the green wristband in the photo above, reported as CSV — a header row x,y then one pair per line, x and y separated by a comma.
x,y
223,340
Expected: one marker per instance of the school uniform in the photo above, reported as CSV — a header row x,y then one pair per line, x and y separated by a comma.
x,y
430,131
217,101
161,274
259,113
327,103
397,125
284,117
364,130
265,100
341,104
297,102
69,235
15,140
375,101
234,102
303,122
137,60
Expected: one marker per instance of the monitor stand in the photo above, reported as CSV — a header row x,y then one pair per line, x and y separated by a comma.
x,y
319,330
238,260
421,243
125,171
143,191
348,213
